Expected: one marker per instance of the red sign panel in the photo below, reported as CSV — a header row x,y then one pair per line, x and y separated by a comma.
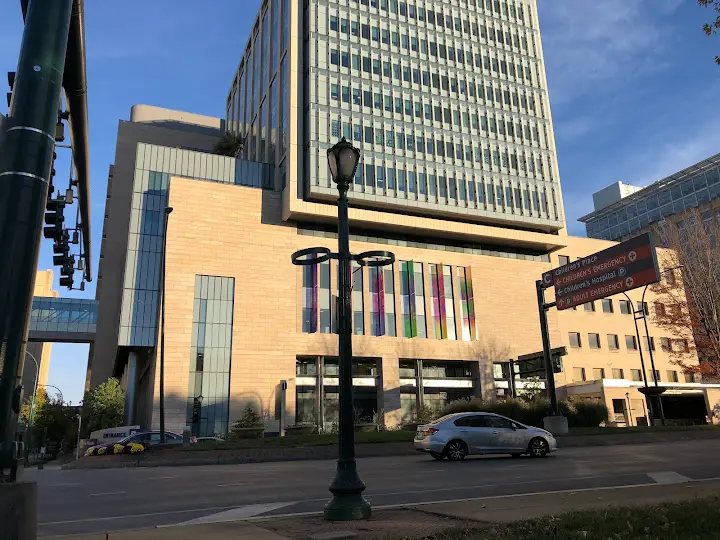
x,y
623,267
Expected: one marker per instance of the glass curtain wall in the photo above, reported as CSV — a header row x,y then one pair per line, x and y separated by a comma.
x,y
211,354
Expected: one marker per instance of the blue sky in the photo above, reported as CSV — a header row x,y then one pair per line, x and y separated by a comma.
x,y
632,88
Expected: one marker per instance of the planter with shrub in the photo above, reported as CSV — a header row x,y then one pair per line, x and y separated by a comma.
x,y
366,427
249,426
300,429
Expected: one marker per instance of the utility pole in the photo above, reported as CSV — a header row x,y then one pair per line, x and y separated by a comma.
x,y
26,157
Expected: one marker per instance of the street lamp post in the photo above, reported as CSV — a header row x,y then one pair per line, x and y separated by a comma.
x,y
32,402
28,432
77,446
168,210
347,502
62,398
656,390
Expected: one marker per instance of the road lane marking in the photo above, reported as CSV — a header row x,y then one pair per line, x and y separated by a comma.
x,y
468,499
233,485
669,477
236,514
106,493
63,485
400,505
134,516
160,477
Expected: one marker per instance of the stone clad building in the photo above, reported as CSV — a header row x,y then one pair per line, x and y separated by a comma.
x,y
458,178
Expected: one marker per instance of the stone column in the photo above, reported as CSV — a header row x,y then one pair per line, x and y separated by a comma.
x,y
131,381
390,381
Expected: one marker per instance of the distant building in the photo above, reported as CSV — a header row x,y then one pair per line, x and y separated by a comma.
x,y
612,194
38,350
634,211
448,105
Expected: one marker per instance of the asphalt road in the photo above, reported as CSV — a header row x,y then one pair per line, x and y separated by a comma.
x,y
86,501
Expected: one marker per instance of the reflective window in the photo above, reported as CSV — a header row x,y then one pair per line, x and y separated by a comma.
x,y
413,299
210,356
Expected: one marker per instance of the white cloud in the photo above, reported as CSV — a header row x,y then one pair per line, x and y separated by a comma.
x,y
591,44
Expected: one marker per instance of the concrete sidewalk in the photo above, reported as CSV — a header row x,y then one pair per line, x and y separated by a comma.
x,y
521,507
415,521
239,530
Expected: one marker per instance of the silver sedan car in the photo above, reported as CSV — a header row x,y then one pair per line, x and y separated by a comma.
x,y
458,435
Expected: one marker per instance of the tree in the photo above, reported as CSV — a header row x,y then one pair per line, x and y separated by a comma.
x,y
103,406
41,399
230,144
52,419
714,26
689,298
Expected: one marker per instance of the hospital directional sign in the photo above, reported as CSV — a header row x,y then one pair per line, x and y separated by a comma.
x,y
621,268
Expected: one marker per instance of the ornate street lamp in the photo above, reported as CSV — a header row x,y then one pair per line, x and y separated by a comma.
x,y
347,502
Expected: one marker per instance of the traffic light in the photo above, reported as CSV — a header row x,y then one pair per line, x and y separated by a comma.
x,y
11,83
54,218
62,258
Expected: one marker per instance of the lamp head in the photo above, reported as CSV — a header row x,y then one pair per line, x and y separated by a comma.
x,y
343,159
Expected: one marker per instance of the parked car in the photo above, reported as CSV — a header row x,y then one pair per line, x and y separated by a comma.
x,y
131,443
458,435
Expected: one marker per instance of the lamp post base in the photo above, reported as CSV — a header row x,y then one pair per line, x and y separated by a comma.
x,y
347,503
347,507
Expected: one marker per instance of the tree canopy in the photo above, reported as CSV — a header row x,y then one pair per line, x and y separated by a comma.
x,y
103,406
713,26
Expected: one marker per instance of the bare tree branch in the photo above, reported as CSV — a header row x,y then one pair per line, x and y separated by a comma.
x,y
689,303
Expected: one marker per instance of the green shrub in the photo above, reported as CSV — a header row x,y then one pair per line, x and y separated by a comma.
x,y
248,419
588,413
426,414
580,413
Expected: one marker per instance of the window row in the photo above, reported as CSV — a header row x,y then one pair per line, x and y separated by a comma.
x,y
636,375
429,108
447,149
456,84
438,48
626,308
320,305
435,186
505,9
613,343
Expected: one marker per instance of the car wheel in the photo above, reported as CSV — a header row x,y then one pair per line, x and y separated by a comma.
x,y
538,447
437,456
515,455
456,450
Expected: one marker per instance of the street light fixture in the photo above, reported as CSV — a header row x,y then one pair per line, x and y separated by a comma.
x,y
168,211
656,390
347,502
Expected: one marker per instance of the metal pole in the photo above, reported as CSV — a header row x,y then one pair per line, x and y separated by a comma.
x,y
652,358
547,361
32,409
347,502
651,420
35,387
77,447
513,389
62,398
26,154
168,210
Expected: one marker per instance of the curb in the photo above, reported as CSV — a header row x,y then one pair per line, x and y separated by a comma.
x,y
363,450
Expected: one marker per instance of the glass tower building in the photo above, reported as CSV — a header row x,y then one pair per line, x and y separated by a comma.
x,y
447,102
694,187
